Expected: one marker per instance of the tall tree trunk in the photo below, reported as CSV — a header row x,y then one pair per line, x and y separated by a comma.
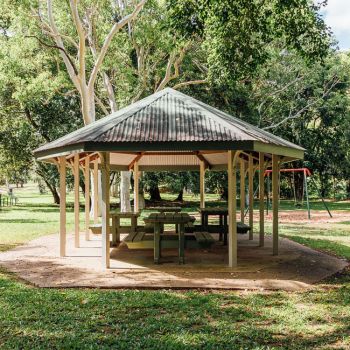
x,y
51,187
125,191
53,190
348,189
180,196
154,193
82,185
224,194
299,186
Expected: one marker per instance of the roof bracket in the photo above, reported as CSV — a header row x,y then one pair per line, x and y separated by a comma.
x,y
136,159
202,159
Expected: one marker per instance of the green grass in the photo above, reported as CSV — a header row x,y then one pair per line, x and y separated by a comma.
x,y
93,319
32,318
331,238
34,216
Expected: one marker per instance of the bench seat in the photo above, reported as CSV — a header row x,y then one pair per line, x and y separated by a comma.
x,y
96,229
204,239
143,240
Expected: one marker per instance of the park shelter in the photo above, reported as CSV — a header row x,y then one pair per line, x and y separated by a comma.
x,y
175,132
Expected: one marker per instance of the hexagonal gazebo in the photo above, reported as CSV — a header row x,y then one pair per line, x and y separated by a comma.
x,y
175,132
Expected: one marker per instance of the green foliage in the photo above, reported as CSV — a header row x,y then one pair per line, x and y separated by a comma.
x,y
237,34
310,107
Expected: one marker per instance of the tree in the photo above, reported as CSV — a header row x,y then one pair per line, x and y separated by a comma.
x,y
308,105
237,34
83,63
36,103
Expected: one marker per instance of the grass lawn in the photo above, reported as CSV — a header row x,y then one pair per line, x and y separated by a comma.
x,y
32,318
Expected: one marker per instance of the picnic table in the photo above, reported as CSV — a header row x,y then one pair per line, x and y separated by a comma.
x,y
222,228
117,228
158,221
167,209
222,213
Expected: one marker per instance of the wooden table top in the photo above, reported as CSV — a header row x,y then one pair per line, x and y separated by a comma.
x,y
129,214
214,211
166,209
169,218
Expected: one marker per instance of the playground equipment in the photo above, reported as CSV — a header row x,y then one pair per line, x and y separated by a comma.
x,y
306,174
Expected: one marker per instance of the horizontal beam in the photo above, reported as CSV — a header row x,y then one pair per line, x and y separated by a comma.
x,y
180,148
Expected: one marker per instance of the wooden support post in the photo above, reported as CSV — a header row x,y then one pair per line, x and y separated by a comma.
x,y
268,194
105,166
76,200
251,195
261,199
275,202
136,186
242,189
62,169
202,184
232,207
87,197
95,204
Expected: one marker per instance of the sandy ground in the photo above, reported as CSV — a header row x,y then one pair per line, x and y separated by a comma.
x,y
295,268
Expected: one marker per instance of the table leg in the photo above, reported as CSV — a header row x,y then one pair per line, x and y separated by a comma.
x,y
117,230
114,231
221,227
182,244
156,242
133,224
225,229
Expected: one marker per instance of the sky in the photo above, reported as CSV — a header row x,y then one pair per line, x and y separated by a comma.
x,y
337,16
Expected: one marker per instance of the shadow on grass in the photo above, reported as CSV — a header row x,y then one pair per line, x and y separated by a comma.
x,y
317,231
325,245
24,221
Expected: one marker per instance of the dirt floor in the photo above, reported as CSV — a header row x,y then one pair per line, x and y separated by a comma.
x,y
295,268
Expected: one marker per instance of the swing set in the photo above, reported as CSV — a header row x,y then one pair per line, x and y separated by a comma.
x,y
306,174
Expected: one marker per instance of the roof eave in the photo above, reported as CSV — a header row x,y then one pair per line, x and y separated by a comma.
x,y
46,155
294,153
291,153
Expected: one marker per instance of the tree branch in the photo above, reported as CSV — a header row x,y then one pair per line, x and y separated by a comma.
x,y
305,108
72,71
81,35
101,105
106,80
116,27
172,62
190,82
58,48
35,125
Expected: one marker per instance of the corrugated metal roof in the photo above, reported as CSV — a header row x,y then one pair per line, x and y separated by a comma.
x,y
167,116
